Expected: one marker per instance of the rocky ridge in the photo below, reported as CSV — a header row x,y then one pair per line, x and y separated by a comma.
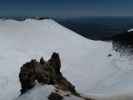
x,y
47,73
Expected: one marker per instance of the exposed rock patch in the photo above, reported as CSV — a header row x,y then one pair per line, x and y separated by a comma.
x,y
55,96
44,72
47,73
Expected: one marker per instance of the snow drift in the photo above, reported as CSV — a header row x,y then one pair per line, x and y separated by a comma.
x,y
84,62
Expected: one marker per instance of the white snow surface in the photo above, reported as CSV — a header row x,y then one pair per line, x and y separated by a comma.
x,y
84,62
42,93
130,30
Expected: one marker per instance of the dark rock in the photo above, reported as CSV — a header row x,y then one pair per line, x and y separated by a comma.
x,y
88,98
55,96
45,73
109,55
40,17
63,84
55,62
42,61
27,76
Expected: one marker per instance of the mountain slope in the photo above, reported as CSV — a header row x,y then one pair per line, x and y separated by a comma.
x,y
84,62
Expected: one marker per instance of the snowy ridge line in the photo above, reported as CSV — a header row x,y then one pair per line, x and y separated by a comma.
x,y
84,61
24,18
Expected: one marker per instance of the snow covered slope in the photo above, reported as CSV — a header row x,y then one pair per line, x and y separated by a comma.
x,y
84,62
130,30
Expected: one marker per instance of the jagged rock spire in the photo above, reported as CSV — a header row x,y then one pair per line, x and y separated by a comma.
x,y
42,61
45,73
55,62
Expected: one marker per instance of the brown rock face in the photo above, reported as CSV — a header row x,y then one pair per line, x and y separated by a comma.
x,y
27,76
44,72
55,96
55,62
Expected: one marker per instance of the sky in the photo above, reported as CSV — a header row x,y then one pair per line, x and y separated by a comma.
x,y
66,8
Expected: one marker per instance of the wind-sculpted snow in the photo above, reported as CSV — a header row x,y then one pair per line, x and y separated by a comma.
x,y
84,62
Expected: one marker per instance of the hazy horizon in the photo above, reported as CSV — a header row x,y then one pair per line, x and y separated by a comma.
x,y
66,8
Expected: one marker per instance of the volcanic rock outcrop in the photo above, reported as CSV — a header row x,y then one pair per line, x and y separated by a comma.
x,y
47,73
44,72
